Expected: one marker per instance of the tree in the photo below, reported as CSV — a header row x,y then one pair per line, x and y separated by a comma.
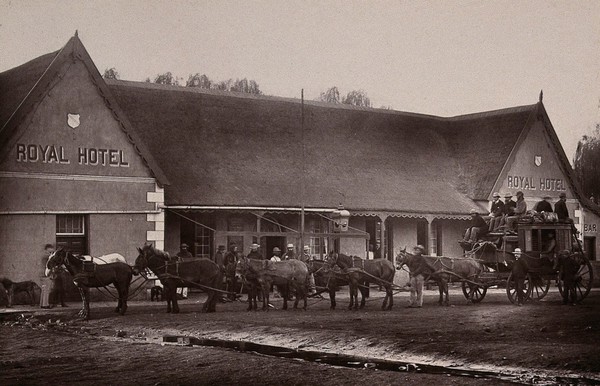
x,y
332,95
246,86
357,98
586,161
111,73
197,80
166,78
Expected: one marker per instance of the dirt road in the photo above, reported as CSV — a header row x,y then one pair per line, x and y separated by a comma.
x,y
542,342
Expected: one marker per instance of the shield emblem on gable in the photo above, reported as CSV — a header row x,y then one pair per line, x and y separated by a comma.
x,y
73,120
537,160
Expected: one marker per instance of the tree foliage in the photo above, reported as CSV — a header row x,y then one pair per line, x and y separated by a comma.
x,y
197,80
331,95
111,73
587,163
166,78
354,97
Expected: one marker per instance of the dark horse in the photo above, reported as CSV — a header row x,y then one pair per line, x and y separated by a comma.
x,y
443,270
199,273
87,274
332,278
380,271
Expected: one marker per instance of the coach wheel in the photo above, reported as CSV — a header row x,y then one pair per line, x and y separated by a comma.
x,y
473,292
585,277
511,290
539,287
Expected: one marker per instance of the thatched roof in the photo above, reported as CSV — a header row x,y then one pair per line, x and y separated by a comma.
x,y
236,149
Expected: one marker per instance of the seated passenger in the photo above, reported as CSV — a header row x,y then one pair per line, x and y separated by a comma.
x,y
496,212
519,211
477,228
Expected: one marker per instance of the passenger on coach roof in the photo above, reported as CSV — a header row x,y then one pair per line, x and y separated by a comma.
x,y
560,208
496,212
544,205
477,228
519,211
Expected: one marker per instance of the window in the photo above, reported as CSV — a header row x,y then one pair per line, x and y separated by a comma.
x,y
318,245
202,242
70,225
71,233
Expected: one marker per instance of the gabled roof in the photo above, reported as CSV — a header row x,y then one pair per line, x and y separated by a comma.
x,y
237,149
22,89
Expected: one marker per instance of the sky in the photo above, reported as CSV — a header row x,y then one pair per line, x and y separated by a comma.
x,y
443,58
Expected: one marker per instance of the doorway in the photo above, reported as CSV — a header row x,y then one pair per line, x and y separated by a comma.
x,y
267,243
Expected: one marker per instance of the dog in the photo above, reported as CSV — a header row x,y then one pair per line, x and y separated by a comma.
x,y
156,292
13,288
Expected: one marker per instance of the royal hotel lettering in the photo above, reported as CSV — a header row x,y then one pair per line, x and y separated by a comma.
x,y
529,183
85,156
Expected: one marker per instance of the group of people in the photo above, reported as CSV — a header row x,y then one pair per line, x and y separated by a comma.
x,y
505,214
228,260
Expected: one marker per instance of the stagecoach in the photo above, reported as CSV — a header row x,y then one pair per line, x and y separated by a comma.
x,y
496,253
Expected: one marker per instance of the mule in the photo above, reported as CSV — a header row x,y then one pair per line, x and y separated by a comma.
x,y
288,275
332,278
443,270
200,273
93,276
380,271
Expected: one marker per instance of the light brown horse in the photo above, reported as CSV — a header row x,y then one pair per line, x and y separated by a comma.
x,y
199,273
292,274
380,271
443,270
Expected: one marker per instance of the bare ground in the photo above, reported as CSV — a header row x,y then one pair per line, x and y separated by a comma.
x,y
538,343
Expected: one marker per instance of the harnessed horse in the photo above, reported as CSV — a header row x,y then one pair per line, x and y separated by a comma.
x,y
332,278
199,273
379,271
90,275
443,270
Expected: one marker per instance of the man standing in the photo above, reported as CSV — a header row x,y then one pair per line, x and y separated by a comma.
x,y
45,282
219,257
496,212
254,254
230,261
519,274
560,208
311,279
418,268
180,257
184,254
276,254
519,211
569,268
290,253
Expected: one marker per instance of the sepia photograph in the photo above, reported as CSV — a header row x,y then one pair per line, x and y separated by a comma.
x,y
268,192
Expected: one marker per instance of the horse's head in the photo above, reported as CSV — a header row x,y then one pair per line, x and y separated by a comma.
x,y
331,258
141,262
402,258
56,259
241,268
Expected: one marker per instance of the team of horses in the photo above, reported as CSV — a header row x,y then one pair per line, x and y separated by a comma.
x,y
291,277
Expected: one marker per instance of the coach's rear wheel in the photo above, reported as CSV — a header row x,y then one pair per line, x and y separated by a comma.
x,y
511,289
539,287
585,277
473,292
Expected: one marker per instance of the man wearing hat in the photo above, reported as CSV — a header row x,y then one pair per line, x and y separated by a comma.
x,y
519,272
180,257
477,228
290,253
230,261
544,205
254,253
219,256
496,212
519,211
183,253
560,208
418,268
276,254
311,279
